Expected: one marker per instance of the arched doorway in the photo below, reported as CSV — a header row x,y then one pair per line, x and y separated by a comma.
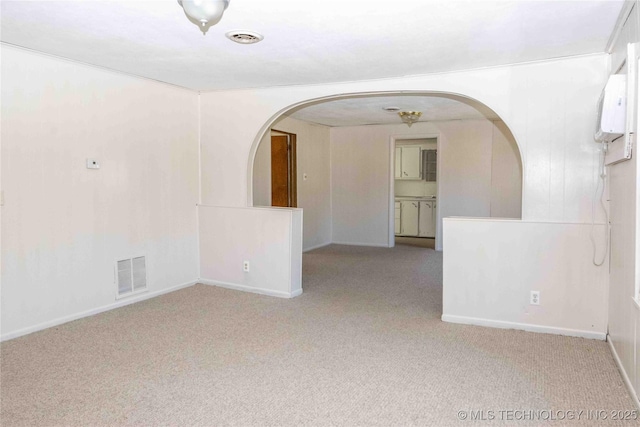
x,y
479,171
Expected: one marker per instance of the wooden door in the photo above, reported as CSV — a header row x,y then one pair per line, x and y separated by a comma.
x,y
283,171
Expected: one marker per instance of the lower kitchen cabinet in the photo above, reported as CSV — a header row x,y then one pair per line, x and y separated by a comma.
x,y
415,218
427,223
409,213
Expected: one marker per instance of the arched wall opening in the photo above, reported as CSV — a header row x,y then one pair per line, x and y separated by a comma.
x,y
349,170
549,108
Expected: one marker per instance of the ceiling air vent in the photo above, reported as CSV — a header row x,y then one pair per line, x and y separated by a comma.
x,y
131,275
244,37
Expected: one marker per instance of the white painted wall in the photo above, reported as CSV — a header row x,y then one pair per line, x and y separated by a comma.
x,y
506,174
360,159
269,238
549,107
262,173
624,314
64,226
415,188
360,185
493,288
314,193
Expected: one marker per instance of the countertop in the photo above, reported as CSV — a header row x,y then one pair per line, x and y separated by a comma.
x,y
400,198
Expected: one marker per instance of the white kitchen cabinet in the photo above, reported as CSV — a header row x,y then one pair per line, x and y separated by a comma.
x,y
409,214
397,218
410,162
427,222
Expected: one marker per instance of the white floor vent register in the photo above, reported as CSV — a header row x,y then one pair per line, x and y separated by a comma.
x,y
131,276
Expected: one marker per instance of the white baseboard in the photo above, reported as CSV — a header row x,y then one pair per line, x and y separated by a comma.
x,y
244,288
87,313
373,245
321,245
623,373
523,327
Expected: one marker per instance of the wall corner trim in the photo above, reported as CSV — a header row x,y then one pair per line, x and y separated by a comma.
x,y
623,373
622,18
321,245
93,311
244,288
463,320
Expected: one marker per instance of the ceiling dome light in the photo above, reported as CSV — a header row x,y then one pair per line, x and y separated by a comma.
x,y
204,13
410,117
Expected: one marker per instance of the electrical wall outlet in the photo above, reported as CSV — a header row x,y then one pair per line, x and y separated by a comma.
x,y
535,298
245,266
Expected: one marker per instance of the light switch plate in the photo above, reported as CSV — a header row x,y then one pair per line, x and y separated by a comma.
x,y
93,164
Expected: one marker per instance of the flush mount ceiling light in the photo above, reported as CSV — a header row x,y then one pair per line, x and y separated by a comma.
x,y
204,13
409,117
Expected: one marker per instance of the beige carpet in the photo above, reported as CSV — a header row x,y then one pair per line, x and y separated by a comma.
x,y
362,346
423,242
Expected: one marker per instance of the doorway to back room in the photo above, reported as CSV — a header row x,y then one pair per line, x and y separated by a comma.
x,y
416,191
276,171
284,187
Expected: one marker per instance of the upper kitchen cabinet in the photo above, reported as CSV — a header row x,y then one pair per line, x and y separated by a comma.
x,y
410,162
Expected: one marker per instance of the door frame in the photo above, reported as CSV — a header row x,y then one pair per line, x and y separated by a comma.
x,y
293,166
392,184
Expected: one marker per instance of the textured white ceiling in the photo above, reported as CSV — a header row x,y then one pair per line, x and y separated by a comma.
x,y
369,110
307,42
